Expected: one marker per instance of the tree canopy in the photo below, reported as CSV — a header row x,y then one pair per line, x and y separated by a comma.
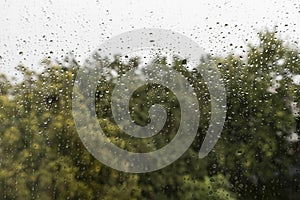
x,y
42,156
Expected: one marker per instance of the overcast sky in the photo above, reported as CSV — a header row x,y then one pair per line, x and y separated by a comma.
x,y
31,29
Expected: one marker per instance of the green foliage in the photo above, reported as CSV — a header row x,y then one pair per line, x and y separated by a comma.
x,y
42,157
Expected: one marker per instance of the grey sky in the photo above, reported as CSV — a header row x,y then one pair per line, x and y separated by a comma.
x,y
37,27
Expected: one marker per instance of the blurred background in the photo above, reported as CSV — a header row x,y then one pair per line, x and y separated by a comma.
x,y
255,46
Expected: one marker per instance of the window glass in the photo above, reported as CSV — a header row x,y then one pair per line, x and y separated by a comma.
x,y
150,99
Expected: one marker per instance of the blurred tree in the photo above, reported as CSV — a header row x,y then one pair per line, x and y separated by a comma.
x,y
255,149
42,157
